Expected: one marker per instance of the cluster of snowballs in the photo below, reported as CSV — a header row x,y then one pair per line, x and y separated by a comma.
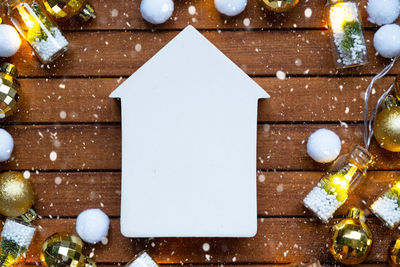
x,y
159,11
387,38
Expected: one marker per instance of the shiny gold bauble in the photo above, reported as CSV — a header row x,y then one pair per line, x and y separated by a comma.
x,y
64,249
16,194
280,5
9,93
394,253
387,128
351,239
65,9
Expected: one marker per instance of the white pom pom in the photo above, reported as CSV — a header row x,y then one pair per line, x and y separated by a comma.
x,y
156,11
92,225
324,145
387,41
383,11
6,145
230,7
9,41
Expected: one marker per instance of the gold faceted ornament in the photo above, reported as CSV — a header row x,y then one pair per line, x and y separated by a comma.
x,y
387,125
64,249
65,9
16,194
280,5
9,96
351,239
394,253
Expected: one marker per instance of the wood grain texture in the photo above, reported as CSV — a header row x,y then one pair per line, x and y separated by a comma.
x,y
256,52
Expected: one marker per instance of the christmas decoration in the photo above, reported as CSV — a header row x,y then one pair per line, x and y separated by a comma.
x,y
16,237
312,263
16,194
65,9
383,11
387,41
334,187
6,145
92,225
64,249
394,253
9,96
230,7
142,260
324,146
35,26
349,48
280,5
351,239
9,41
156,11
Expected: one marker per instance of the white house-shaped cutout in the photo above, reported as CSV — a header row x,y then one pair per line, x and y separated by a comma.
x,y
189,131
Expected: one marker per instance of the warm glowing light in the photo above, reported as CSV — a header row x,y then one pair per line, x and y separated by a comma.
x,y
339,14
26,17
342,181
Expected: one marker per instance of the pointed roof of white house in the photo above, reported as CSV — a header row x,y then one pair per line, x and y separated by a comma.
x,y
189,54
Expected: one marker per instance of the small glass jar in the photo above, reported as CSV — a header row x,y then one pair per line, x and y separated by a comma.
x,y
142,260
65,9
35,26
334,187
16,238
347,38
9,88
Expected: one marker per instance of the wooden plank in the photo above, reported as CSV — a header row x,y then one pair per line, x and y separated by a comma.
x,y
102,190
125,15
256,52
60,100
98,147
279,240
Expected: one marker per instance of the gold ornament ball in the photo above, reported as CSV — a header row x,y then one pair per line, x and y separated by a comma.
x,y
280,5
394,253
64,249
387,129
351,239
16,194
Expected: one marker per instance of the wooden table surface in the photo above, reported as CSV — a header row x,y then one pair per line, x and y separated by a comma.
x,y
65,108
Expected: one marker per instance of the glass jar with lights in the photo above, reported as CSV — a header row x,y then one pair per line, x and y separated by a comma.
x,y
347,38
37,29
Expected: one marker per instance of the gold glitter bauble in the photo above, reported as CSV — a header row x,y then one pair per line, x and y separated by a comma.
x,y
387,126
64,9
394,253
64,249
9,96
16,194
351,239
280,5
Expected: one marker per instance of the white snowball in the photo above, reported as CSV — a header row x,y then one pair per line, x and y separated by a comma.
x,y
383,11
6,145
387,41
92,225
9,41
156,11
324,145
230,7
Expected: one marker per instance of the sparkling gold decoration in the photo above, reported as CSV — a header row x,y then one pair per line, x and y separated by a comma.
x,y
64,9
9,96
64,249
280,5
16,194
351,239
394,253
387,125
312,263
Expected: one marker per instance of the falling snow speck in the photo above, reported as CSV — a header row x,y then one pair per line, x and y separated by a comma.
x,y
246,22
280,75
53,156
138,47
206,247
192,10
57,180
298,62
279,188
308,12
261,178
63,115
114,13
27,174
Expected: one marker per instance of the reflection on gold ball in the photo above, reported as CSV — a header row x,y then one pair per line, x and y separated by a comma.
x,y
64,249
387,129
16,194
394,253
351,239
280,5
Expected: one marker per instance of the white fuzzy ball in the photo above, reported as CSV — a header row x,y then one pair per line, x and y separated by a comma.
x,y
156,11
92,225
323,146
383,11
9,41
387,41
230,7
6,145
